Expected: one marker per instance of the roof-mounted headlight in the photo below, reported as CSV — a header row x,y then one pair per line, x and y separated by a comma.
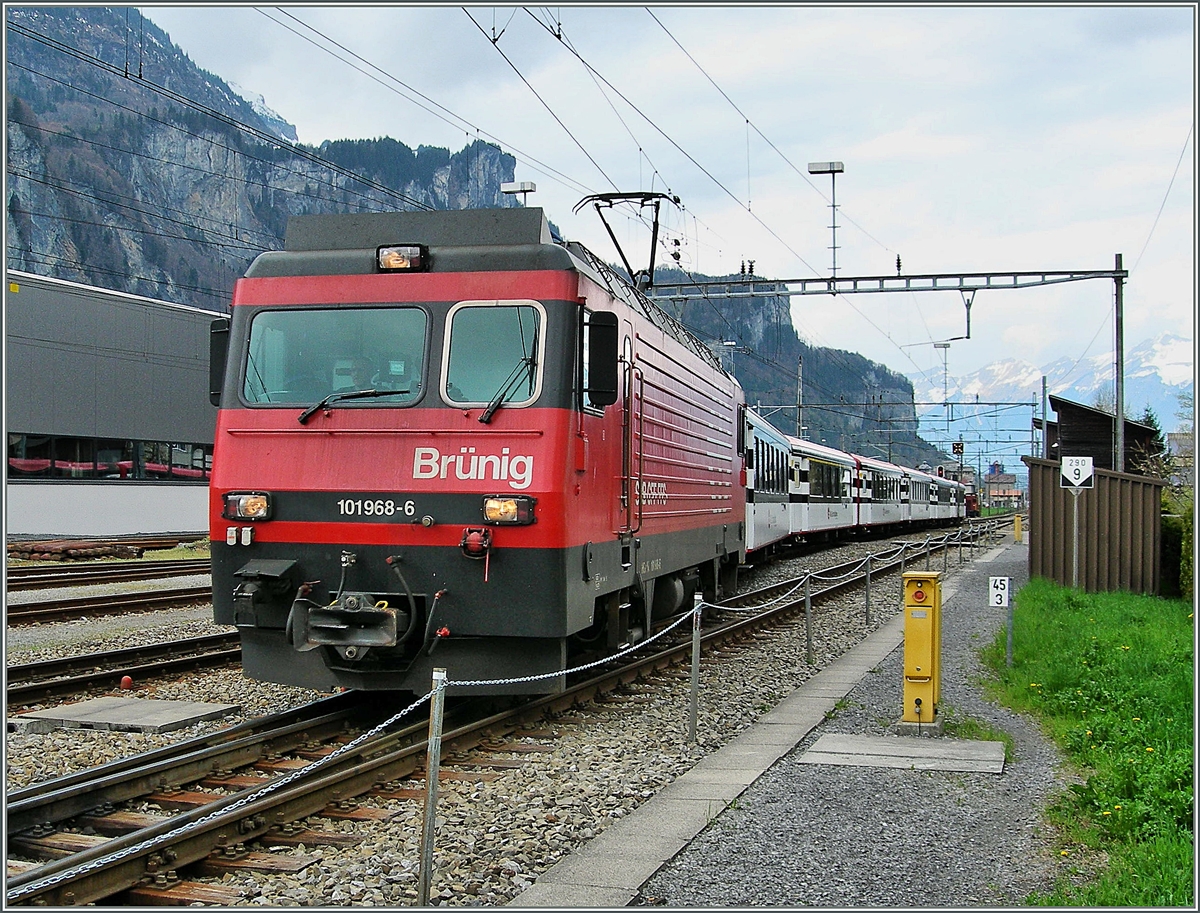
x,y
402,258
247,505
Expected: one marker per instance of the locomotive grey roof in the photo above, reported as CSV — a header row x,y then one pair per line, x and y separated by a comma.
x,y
446,228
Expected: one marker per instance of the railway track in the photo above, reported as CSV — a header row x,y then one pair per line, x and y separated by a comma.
x,y
34,682
217,783
43,577
90,606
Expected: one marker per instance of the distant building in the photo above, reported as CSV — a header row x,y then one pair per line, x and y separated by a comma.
x,y
1181,448
1000,488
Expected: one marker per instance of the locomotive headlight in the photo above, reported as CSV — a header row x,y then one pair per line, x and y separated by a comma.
x,y
247,505
503,510
411,258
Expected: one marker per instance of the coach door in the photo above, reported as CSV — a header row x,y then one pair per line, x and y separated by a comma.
x,y
632,446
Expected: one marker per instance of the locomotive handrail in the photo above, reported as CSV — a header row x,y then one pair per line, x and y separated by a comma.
x,y
639,493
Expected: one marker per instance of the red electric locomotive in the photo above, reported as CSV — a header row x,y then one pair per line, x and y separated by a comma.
x,y
449,440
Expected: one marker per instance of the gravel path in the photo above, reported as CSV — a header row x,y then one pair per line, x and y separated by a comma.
x,y
822,835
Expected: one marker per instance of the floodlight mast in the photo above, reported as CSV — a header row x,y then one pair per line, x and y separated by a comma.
x,y
833,169
524,188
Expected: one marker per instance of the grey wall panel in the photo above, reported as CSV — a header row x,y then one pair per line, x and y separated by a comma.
x,y
89,362
47,510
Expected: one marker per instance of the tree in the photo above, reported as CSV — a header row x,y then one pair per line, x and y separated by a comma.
x,y
1187,412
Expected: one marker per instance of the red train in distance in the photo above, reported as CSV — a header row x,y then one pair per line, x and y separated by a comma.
x,y
449,440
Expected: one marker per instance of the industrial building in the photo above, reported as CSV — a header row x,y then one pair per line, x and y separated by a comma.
x,y
107,414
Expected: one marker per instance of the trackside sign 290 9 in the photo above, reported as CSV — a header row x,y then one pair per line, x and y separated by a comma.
x,y
1077,472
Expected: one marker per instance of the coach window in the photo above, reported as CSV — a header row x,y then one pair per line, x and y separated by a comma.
x,y
298,356
493,353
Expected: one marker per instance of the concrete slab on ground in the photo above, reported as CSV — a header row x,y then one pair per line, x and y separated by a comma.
x,y
125,714
906,753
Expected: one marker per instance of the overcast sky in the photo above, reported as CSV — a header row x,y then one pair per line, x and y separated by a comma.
x,y
984,139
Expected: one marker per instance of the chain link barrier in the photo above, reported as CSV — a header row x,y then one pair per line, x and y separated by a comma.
x,y
592,665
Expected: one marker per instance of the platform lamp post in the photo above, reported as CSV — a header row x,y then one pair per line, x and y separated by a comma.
x,y
833,169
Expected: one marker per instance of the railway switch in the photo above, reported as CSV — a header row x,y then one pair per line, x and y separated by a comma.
x,y
922,646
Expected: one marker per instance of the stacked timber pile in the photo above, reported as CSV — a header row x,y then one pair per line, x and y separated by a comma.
x,y
71,550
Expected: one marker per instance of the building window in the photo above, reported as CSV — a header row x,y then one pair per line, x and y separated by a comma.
x,y
28,456
74,458
32,456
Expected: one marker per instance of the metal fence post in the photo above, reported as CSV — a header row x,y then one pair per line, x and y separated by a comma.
x,y
927,556
697,606
808,615
433,763
868,590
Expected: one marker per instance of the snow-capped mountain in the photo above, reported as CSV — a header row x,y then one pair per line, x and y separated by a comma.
x,y
278,125
1157,371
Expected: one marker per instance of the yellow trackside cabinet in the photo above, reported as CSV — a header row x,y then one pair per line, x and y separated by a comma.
x,y
922,646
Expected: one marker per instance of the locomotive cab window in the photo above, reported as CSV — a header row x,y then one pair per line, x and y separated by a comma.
x,y
493,353
297,357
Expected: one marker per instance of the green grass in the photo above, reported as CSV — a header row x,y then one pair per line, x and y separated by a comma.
x,y
1110,676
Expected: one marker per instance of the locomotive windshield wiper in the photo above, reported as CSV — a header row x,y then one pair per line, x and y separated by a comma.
x,y
350,394
528,363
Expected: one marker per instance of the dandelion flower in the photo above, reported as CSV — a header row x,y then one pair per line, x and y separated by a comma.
x,y
1107,813
1148,748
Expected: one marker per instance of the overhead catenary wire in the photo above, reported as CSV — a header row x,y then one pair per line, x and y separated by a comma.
x,y
684,152
1170,184
561,37
750,125
425,103
496,44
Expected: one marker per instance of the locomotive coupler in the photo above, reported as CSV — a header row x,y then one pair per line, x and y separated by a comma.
x,y
352,624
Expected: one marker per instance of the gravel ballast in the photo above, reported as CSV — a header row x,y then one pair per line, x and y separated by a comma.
x,y
796,845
